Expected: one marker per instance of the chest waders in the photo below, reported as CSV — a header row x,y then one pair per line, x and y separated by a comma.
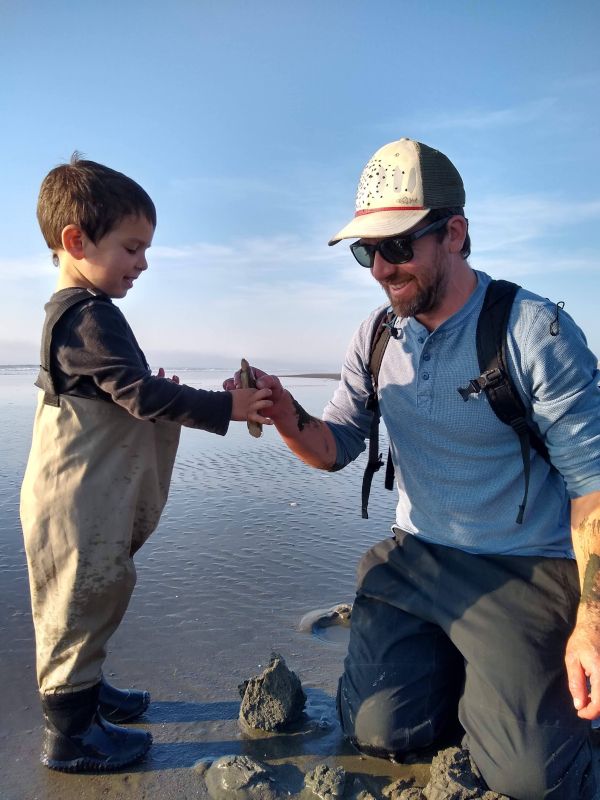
x,y
96,482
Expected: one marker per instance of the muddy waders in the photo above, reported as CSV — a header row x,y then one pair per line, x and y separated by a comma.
x,y
95,485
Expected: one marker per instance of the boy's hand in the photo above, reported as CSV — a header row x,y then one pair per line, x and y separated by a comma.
x,y
161,374
263,381
248,403
309,438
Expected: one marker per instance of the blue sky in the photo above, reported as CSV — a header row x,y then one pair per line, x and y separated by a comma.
x,y
249,124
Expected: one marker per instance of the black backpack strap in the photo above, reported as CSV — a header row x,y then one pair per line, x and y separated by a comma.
x,y
379,341
495,379
51,398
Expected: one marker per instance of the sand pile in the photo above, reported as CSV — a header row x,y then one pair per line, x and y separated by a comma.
x,y
273,699
453,777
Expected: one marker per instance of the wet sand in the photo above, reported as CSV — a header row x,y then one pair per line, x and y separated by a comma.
x,y
250,542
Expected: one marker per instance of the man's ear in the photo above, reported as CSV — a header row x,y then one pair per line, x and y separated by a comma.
x,y
73,241
457,230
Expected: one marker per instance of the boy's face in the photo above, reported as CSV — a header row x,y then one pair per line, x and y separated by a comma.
x,y
114,262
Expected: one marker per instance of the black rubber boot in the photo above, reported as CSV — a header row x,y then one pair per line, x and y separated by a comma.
x,y
121,705
78,739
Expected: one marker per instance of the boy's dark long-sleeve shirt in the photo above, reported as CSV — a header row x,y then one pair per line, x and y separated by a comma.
x,y
94,354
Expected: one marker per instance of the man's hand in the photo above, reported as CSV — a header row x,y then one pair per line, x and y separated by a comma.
x,y
263,381
582,657
583,663
309,438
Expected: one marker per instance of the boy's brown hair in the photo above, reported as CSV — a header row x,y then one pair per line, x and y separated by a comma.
x,y
90,195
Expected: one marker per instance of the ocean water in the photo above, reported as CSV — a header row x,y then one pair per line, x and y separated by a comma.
x,y
250,541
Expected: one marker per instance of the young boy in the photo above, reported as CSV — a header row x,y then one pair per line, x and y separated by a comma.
x,y
105,437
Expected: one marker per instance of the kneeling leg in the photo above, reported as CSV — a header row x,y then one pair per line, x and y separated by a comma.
x,y
401,683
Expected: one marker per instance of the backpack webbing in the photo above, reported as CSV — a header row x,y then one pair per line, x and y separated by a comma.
x,y
381,336
494,380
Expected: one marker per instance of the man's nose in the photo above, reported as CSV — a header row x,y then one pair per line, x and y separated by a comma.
x,y
143,263
381,268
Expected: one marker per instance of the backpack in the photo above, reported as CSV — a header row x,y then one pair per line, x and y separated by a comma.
x,y
494,380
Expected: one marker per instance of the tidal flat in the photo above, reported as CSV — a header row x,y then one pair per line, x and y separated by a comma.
x,y
250,542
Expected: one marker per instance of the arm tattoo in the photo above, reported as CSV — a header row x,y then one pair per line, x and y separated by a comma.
x,y
304,418
590,592
586,539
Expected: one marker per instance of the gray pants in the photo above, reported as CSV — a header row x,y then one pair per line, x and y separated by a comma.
x,y
437,632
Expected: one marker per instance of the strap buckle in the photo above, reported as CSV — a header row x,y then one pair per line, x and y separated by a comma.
x,y
489,379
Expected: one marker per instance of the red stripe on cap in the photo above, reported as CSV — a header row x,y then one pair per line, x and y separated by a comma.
x,y
362,211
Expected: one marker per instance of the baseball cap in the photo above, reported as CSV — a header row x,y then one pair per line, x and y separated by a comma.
x,y
398,187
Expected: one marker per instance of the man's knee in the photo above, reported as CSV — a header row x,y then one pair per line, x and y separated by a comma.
x,y
377,725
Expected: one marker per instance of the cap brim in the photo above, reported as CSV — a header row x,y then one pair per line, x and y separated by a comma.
x,y
380,224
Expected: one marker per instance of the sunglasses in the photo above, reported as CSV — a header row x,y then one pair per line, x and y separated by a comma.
x,y
396,249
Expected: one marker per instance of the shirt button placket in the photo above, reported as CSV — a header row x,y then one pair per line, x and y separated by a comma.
x,y
426,382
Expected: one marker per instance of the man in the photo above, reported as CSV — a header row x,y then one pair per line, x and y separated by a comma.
x,y
465,610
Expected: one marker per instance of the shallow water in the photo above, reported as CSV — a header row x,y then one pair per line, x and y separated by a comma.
x,y
250,541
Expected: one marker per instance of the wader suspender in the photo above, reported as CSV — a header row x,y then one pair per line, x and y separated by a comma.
x,y
51,398
495,379
381,336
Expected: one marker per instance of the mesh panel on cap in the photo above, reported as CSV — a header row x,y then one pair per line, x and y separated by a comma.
x,y
442,184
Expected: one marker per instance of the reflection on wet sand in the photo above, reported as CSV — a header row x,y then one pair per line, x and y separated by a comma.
x,y
250,541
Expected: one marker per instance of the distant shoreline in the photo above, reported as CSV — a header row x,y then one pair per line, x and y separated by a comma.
x,y
332,376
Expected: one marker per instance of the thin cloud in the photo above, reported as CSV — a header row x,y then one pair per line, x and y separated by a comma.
x,y
295,323
264,254
529,260
485,119
227,185
27,268
501,221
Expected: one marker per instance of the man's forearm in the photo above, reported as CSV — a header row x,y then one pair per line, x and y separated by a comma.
x,y
307,437
585,524
582,656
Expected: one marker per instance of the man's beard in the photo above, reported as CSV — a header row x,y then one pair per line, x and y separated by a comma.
x,y
427,298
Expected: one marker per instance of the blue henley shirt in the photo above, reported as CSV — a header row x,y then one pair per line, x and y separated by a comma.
x,y
459,470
